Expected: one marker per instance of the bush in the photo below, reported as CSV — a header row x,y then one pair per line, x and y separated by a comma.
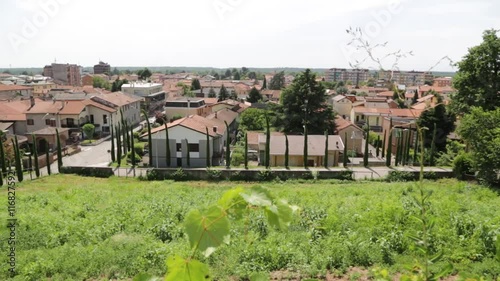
x,y
307,176
430,176
153,175
179,175
139,149
240,176
97,172
345,175
214,175
138,158
400,176
265,175
237,159
136,135
463,166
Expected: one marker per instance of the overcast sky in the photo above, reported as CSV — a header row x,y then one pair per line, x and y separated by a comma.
x,y
236,33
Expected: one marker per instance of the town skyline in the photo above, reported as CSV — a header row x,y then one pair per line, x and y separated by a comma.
x,y
226,34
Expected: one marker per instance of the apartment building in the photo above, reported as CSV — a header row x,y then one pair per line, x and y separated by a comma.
x,y
408,78
67,74
356,76
102,68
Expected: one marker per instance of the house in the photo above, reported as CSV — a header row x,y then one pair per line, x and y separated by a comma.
x,y
315,150
183,106
374,116
342,105
12,116
10,92
153,94
350,134
189,134
271,95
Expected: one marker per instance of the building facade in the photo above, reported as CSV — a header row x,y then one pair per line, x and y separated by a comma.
x,y
356,76
102,68
68,74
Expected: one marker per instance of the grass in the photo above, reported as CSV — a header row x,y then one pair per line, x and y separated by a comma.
x,y
77,228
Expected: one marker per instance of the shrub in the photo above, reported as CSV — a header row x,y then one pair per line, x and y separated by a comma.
x,y
98,172
237,159
179,175
214,175
399,176
153,175
463,165
138,158
307,176
344,175
240,176
430,176
136,135
139,149
265,175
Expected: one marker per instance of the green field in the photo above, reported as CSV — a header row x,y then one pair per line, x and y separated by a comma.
x,y
75,228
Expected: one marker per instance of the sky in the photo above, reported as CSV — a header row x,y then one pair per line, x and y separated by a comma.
x,y
237,33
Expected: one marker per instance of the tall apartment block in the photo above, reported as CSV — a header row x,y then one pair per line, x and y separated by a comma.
x,y
102,68
356,76
408,78
68,74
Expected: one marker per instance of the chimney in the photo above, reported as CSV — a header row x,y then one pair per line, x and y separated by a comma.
x,y
32,101
216,115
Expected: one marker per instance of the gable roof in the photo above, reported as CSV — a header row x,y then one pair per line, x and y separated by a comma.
x,y
13,110
343,123
195,123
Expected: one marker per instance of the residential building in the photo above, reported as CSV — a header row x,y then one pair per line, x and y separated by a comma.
x,y
356,76
13,117
351,134
153,94
315,150
374,116
442,82
67,74
183,106
342,105
271,95
408,78
10,92
102,68
189,134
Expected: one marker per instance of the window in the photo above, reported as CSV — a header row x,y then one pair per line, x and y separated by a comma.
x,y
70,122
50,122
194,147
30,122
105,119
91,118
179,147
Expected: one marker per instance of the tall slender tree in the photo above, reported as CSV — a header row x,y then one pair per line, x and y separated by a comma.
x,y
228,148
264,84
389,147
398,148
345,151
268,144
129,133
383,144
19,165
287,152
415,149
113,152
306,148
433,146
167,145
2,157
208,149
377,149
246,150
365,155
119,145
132,152
150,140
59,151
325,159
188,156
408,145
47,157
124,137
35,156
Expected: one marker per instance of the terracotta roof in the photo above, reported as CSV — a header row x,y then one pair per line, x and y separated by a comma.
x,y
13,110
119,98
50,131
196,123
224,115
395,112
42,106
342,123
209,101
98,105
389,94
9,88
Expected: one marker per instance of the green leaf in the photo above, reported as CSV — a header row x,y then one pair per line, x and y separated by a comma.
x,y
208,230
498,247
279,215
179,269
444,272
437,257
145,277
233,203
259,276
258,196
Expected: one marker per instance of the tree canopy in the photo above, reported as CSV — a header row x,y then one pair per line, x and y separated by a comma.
x,y
144,73
444,123
278,81
484,140
99,82
223,94
254,95
305,101
252,119
195,84
478,78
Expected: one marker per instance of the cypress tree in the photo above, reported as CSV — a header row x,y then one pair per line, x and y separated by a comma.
x,y
403,148
408,144
415,149
365,156
378,146
389,147
167,145
264,84
129,136
19,167
188,157
268,144
2,157
325,160
305,147
287,152
208,149
228,148
433,146
383,145
113,155
119,145
35,155
124,130
47,158
398,140
150,141
345,151
59,151
132,152
246,150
